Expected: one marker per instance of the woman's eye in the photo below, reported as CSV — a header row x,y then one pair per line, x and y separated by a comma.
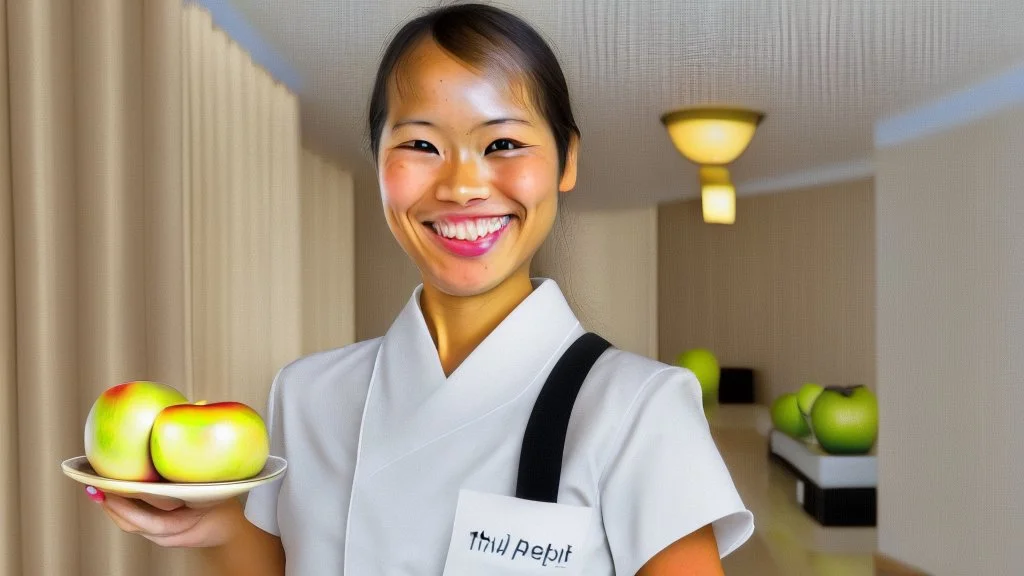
x,y
421,145
501,145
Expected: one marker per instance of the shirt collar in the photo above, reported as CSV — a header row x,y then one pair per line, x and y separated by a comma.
x,y
411,402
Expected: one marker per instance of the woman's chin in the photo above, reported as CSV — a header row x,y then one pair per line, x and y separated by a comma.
x,y
468,279
465,287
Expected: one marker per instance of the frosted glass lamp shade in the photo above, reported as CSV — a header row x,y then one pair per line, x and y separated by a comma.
x,y
713,136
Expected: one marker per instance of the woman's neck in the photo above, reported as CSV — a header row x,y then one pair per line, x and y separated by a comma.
x,y
459,324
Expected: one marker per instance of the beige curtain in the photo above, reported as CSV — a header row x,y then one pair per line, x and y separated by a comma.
x,y
153,225
242,158
328,254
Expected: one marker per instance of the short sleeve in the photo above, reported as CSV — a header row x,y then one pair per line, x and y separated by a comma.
x,y
261,502
666,478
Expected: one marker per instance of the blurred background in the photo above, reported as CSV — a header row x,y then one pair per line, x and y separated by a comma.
x,y
186,196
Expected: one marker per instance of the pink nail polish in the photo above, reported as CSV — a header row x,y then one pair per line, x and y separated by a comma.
x,y
94,494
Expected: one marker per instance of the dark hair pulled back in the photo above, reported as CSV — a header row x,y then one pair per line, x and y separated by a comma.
x,y
486,38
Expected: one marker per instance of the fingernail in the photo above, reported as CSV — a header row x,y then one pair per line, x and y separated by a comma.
x,y
94,494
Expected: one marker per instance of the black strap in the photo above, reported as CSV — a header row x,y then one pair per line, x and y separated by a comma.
x,y
540,463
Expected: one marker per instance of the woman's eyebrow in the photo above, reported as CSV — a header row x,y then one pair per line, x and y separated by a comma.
x,y
410,123
504,121
493,122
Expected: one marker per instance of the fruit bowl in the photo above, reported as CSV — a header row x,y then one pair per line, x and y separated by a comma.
x,y
192,495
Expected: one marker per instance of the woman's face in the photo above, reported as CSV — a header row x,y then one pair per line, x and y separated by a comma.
x,y
468,174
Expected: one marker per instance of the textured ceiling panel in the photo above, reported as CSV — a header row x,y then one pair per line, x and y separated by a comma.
x,y
824,71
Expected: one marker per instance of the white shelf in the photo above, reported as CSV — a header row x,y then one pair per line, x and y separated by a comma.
x,y
826,470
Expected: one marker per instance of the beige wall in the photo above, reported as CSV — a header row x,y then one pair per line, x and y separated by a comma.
x,y
950,348
604,261
607,264
385,277
788,290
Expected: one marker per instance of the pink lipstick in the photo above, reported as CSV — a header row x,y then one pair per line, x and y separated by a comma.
x,y
469,237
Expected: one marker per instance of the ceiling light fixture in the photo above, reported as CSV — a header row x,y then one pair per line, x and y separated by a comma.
x,y
713,138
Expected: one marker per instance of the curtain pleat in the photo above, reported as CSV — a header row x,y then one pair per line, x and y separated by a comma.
x,y
41,85
234,289
152,226
110,248
10,514
311,251
258,221
286,249
165,188
167,232
328,256
217,382
202,86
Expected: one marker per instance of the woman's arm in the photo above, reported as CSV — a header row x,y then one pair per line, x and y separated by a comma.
x,y
692,555
250,551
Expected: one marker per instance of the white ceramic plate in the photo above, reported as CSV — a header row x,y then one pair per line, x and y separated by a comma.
x,y
193,495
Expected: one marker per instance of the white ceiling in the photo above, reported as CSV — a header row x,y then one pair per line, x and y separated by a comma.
x,y
824,71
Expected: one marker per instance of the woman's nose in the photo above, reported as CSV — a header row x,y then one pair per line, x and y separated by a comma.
x,y
465,182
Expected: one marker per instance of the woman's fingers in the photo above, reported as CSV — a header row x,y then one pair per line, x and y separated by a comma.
x,y
129,528
149,520
178,526
121,523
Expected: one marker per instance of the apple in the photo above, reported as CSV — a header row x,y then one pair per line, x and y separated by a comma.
x,y
845,419
117,429
200,442
704,365
807,395
786,417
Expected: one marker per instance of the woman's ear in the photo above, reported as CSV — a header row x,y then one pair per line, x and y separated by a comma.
x,y
568,181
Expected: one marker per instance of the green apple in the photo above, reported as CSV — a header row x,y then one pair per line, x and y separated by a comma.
x,y
704,365
807,395
786,417
118,426
200,442
845,419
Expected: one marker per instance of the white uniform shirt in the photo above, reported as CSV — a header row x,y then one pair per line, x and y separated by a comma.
x,y
379,443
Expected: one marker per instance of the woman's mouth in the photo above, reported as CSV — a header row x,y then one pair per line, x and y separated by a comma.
x,y
469,237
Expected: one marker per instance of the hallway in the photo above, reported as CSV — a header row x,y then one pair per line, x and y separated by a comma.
x,y
786,541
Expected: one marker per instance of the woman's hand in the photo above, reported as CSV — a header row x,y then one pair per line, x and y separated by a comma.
x,y
169,523
232,545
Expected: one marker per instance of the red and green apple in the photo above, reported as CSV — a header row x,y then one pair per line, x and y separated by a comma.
x,y
200,442
117,429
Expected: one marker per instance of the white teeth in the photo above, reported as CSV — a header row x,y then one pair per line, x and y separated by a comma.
x,y
470,229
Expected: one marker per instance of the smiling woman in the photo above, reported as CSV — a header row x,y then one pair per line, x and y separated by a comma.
x,y
474,140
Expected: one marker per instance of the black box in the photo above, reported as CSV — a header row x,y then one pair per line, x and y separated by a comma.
x,y
846,507
736,386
